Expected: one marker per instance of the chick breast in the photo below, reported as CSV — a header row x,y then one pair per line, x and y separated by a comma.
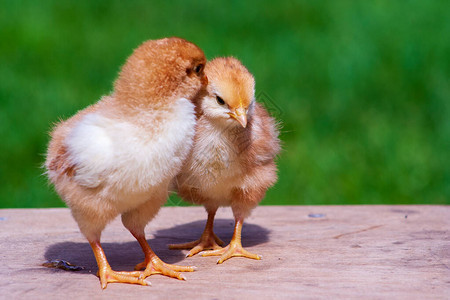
x,y
119,157
224,161
127,155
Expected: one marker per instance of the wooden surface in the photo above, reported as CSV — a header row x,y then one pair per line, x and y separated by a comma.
x,y
368,252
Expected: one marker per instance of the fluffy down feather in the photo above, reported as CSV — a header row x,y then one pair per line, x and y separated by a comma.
x,y
119,155
232,160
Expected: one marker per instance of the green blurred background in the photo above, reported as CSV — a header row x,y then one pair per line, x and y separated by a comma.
x,y
361,87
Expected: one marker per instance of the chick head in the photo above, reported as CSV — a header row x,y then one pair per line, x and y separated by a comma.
x,y
230,92
161,70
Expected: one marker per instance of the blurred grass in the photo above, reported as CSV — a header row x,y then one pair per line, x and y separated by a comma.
x,y
361,87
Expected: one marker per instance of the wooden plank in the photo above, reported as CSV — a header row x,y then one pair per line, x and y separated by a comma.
x,y
390,252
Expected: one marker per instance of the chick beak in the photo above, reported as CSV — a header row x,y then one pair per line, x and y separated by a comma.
x,y
240,115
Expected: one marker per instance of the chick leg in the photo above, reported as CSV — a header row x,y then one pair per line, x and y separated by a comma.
x,y
107,275
154,265
208,239
135,221
234,249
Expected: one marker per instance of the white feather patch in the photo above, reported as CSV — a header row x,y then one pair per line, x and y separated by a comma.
x,y
128,156
91,149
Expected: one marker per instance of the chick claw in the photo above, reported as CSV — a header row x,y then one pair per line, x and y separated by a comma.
x,y
234,249
107,275
206,242
157,266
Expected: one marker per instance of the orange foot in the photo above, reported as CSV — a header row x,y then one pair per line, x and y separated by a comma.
x,y
207,241
156,266
107,275
234,249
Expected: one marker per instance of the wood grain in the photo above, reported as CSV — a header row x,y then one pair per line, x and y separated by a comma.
x,y
369,252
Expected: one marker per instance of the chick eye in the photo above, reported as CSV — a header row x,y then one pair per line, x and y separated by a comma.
x,y
220,100
198,68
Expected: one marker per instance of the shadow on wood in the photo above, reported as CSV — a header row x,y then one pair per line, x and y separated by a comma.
x,y
313,252
124,256
252,234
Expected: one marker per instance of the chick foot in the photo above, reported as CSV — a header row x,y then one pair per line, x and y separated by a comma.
x,y
107,275
154,265
157,266
208,240
234,249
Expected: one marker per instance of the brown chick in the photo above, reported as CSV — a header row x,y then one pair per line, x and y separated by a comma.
x,y
232,160
118,156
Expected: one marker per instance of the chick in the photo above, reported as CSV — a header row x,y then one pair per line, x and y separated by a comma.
x,y
232,160
118,156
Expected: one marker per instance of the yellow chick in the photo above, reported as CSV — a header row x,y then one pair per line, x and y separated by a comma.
x,y
118,156
232,160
